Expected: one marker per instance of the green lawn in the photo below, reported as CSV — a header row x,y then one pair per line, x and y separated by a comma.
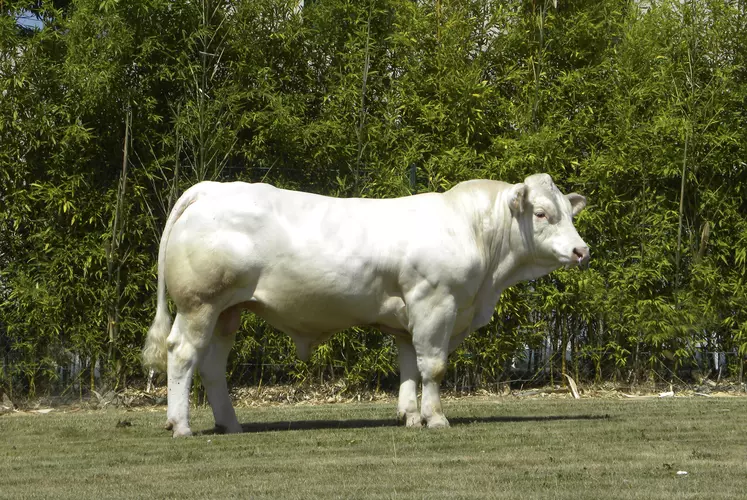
x,y
500,447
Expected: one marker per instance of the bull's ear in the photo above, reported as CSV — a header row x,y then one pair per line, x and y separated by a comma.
x,y
578,202
517,198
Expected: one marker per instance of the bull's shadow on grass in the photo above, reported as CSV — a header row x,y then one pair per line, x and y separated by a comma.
x,y
306,425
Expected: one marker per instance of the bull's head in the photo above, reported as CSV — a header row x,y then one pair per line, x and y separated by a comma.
x,y
544,217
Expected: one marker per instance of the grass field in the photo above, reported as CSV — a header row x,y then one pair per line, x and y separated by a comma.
x,y
500,447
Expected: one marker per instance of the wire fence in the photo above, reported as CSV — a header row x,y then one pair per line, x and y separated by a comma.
x,y
704,371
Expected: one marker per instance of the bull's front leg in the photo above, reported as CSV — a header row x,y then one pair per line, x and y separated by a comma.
x,y
432,328
407,407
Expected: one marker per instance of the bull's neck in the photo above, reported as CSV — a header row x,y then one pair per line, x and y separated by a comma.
x,y
509,256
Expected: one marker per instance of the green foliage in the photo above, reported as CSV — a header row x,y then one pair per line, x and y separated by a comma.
x,y
114,108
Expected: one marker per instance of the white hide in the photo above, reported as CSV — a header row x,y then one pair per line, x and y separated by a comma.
x,y
428,269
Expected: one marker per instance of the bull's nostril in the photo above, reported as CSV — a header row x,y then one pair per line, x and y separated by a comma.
x,y
581,253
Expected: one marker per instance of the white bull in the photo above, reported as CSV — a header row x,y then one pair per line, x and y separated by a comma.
x,y
428,269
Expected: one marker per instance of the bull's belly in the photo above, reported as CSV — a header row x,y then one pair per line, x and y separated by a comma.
x,y
308,319
312,316
311,319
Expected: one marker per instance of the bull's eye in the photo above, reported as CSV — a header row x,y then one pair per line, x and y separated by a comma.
x,y
540,215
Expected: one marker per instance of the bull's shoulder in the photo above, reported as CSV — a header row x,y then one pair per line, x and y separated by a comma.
x,y
477,197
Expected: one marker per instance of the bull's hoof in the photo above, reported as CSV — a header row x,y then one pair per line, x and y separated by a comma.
x,y
182,433
414,420
177,430
410,419
437,421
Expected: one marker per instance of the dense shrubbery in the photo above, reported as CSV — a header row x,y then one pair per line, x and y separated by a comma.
x,y
114,108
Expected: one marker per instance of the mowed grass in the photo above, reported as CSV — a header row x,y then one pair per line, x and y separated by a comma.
x,y
499,447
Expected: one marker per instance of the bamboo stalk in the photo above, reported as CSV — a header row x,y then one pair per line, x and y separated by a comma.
x,y
362,113
93,373
114,264
563,348
173,192
681,212
690,50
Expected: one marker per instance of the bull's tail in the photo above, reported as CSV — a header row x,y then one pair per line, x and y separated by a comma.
x,y
155,350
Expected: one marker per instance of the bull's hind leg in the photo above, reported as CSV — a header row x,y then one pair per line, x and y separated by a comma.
x,y
213,370
186,344
407,406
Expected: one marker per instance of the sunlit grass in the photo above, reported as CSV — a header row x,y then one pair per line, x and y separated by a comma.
x,y
496,448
